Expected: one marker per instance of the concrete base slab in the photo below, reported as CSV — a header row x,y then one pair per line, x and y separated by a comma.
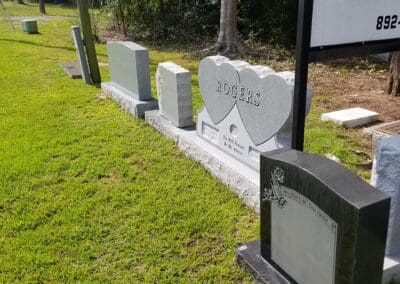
x,y
249,257
352,117
73,69
131,105
241,179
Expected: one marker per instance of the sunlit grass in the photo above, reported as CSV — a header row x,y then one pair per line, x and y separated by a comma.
x,y
90,194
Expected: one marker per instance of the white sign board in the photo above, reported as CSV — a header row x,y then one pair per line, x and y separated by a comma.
x,y
338,22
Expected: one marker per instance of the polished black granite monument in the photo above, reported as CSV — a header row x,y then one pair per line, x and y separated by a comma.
x,y
320,223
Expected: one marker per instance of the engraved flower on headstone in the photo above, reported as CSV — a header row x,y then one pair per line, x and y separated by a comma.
x,y
274,192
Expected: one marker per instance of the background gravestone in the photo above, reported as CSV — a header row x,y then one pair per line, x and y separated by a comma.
x,y
80,50
320,223
386,178
247,109
29,26
129,68
175,94
130,77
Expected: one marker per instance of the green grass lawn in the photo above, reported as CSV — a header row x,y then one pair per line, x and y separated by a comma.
x,y
88,193
32,9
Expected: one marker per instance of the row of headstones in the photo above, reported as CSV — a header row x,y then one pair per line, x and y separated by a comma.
x,y
319,222
251,113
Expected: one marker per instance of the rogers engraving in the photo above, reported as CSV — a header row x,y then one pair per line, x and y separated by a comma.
x,y
239,92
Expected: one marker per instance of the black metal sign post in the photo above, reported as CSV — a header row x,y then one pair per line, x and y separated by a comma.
x,y
306,54
300,85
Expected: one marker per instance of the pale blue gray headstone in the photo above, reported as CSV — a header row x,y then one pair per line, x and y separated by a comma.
x,y
129,68
80,50
130,77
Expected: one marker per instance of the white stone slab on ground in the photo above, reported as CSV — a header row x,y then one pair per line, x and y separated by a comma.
x,y
352,117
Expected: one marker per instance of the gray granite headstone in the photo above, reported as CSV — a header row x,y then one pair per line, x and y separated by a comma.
x,y
80,50
130,77
175,94
248,109
129,68
30,26
386,178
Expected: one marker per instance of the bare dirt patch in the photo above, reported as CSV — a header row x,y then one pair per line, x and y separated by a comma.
x,y
340,85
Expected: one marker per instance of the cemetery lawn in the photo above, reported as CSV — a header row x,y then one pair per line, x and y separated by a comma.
x,y
88,193
32,9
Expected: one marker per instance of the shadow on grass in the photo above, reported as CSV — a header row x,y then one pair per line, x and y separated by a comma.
x,y
37,44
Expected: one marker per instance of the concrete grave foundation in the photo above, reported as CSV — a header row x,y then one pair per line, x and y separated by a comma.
x,y
241,179
130,104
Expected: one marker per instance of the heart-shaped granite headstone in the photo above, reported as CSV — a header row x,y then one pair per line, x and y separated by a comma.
x,y
269,104
216,76
263,97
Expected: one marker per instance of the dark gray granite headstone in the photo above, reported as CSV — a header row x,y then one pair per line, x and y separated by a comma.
x,y
129,68
320,223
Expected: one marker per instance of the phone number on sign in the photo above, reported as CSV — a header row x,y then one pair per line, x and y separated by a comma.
x,y
387,22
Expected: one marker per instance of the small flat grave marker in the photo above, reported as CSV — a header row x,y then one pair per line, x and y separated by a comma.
x,y
73,69
352,117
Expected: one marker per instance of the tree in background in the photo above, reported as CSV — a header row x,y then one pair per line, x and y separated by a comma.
x,y
42,8
273,21
161,20
197,21
393,86
20,2
228,38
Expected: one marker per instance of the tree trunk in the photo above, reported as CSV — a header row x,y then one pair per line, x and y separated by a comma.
x,y
228,40
393,85
42,8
